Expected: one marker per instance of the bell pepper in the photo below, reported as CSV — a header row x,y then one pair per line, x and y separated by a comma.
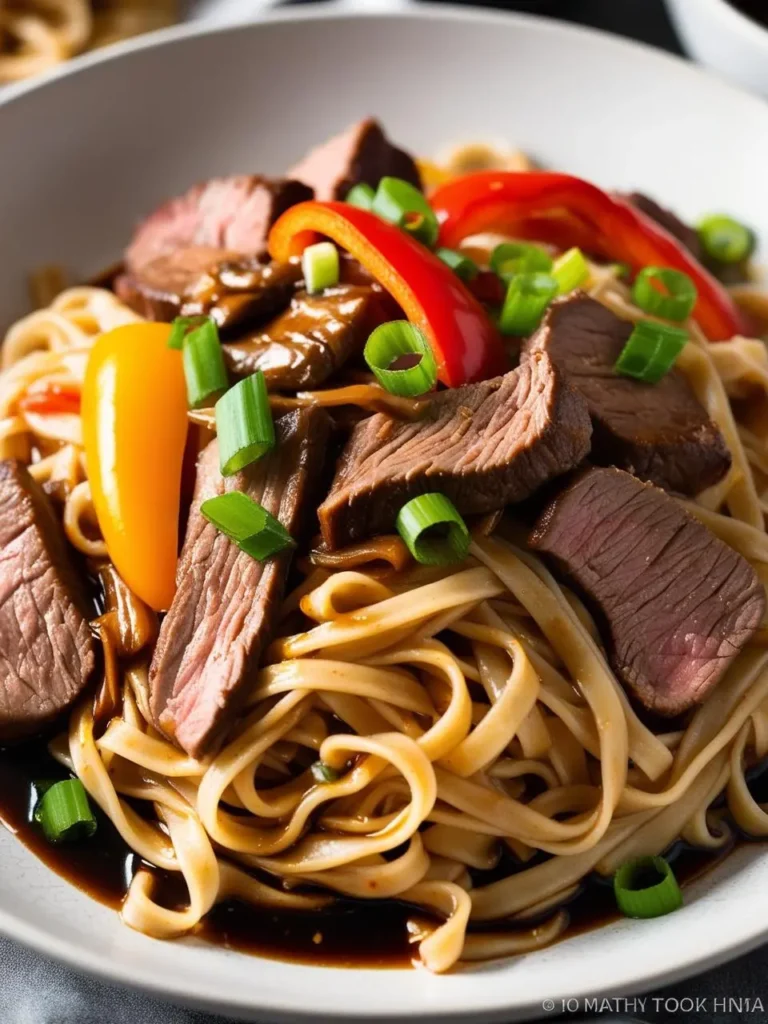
x,y
465,342
53,399
567,211
134,415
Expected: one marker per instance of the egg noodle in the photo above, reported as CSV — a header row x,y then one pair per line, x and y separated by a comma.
x,y
467,710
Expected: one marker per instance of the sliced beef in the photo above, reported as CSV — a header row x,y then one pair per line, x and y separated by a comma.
x,y
659,432
484,446
668,220
307,343
676,603
46,645
157,290
242,291
221,617
361,154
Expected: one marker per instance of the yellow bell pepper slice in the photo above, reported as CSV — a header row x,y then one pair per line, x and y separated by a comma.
x,y
134,414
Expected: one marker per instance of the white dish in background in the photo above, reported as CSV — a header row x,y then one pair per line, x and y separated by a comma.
x,y
98,144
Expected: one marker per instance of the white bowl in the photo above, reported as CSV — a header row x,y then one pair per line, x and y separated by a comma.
x,y
89,151
724,39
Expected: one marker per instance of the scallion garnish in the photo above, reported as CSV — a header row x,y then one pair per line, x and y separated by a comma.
x,y
64,813
181,326
320,264
651,351
400,341
401,203
361,195
664,292
204,368
323,772
528,296
461,265
247,524
244,424
570,270
646,887
725,239
433,530
511,258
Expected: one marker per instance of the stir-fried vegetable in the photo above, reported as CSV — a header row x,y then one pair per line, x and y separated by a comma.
x,y
651,351
392,342
134,413
663,292
647,887
244,424
248,524
433,530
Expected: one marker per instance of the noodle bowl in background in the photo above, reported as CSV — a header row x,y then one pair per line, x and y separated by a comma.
x,y
469,712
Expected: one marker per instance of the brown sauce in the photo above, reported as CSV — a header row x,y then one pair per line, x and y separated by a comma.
x,y
349,934
754,9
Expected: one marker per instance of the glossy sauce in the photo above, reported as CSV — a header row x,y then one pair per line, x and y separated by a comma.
x,y
349,934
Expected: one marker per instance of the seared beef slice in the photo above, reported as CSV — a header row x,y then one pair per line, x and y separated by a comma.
x,y
676,602
213,635
46,645
667,220
360,155
659,432
484,446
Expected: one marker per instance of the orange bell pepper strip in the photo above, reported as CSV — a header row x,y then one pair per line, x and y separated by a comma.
x,y
465,342
568,211
134,415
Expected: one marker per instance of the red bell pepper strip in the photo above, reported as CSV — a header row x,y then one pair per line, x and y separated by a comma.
x,y
567,211
465,342
53,399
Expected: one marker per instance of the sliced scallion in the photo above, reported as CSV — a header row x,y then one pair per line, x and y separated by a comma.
x,y
400,341
570,270
247,524
401,203
646,887
323,772
664,292
320,264
725,239
651,351
180,328
361,195
528,296
511,258
244,424
433,530
64,813
461,265
204,369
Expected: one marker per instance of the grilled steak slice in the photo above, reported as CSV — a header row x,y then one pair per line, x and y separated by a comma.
x,y
677,604
361,154
213,635
46,646
659,432
667,220
242,291
307,343
484,446
157,291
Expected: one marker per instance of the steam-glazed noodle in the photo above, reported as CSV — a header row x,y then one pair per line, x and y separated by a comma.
x,y
469,711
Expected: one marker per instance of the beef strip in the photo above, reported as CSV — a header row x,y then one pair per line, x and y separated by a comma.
x,y
484,446
659,432
46,646
668,220
242,292
310,341
361,154
676,603
212,637
157,291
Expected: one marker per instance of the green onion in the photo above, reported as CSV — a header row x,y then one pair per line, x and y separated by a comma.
x,y
361,195
512,258
570,270
622,270
320,264
64,812
245,522
204,368
651,351
323,772
401,203
664,292
724,239
646,887
181,326
388,344
244,424
433,530
461,265
528,296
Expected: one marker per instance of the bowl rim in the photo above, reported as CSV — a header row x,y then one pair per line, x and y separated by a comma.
x,y
190,992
